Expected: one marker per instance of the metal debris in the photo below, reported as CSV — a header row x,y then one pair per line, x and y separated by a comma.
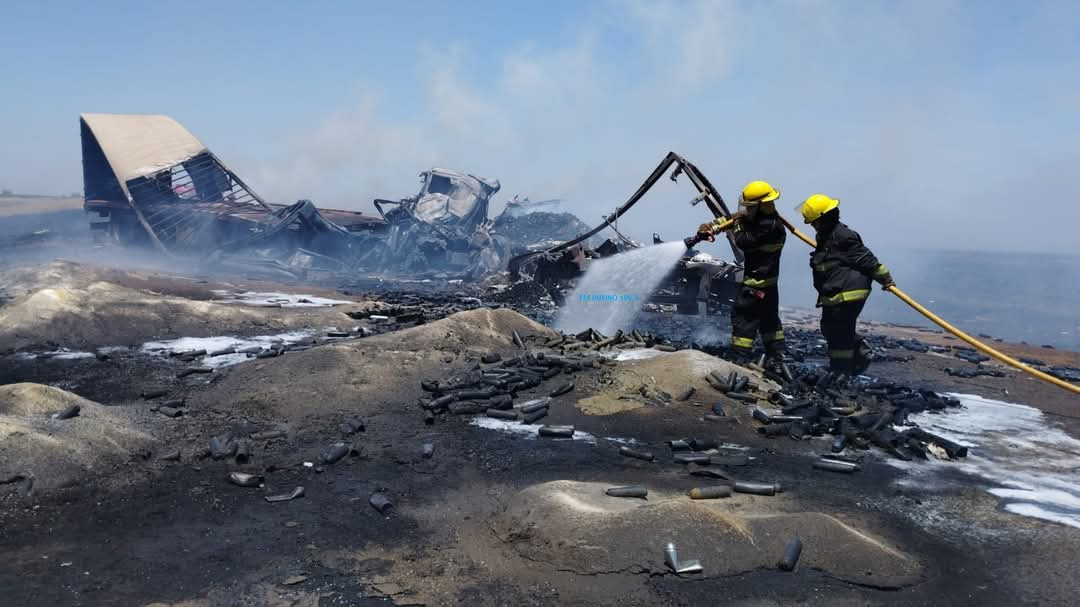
x,y
284,497
628,491
242,479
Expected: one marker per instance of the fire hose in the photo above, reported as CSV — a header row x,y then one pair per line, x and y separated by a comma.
x,y
978,345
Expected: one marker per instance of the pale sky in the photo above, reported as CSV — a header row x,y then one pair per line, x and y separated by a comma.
x,y
939,124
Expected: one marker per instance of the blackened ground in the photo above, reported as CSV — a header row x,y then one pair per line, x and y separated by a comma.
x,y
182,532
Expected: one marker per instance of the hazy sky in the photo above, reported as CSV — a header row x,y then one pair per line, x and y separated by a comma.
x,y
937,123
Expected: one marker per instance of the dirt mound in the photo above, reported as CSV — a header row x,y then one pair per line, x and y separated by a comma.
x,y
105,314
367,375
635,381
575,526
59,453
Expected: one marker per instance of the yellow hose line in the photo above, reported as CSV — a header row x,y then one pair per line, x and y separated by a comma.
x,y
978,345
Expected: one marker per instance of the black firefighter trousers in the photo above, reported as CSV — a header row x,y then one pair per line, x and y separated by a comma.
x,y
757,310
845,346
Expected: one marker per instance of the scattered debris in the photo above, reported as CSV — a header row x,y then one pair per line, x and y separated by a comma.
x,y
381,503
791,555
284,497
671,558
628,491
68,413
710,493
242,479
557,431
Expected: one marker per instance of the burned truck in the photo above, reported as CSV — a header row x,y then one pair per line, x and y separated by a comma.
x,y
152,183
444,227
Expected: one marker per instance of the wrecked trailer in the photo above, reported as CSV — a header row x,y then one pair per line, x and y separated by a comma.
x,y
698,281
155,184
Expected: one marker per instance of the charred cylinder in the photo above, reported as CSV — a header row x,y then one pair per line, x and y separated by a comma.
x,y
836,466
710,493
791,555
756,488
557,431
629,491
642,455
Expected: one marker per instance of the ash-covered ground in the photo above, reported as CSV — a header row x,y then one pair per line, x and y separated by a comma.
x,y
152,425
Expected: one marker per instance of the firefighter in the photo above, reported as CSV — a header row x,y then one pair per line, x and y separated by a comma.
x,y
843,273
760,234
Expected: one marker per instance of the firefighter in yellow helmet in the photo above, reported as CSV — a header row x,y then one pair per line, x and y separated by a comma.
x,y
760,234
843,273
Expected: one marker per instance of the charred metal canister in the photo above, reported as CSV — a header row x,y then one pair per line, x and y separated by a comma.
x,y
535,415
536,405
629,491
154,393
686,394
335,453
703,444
740,384
718,409
775,430
761,416
427,450
380,502
709,417
69,412
490,357
742,396
501,414
780,419
680,444
243,451
710,493
838,443
691,458
466,407
791,554
563,389
642,455
557,431
836,466
502,401
756,488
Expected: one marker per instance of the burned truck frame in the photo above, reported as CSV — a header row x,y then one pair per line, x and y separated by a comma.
x,y
153,183
696,281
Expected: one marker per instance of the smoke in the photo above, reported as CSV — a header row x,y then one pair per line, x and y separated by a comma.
x,y
930,130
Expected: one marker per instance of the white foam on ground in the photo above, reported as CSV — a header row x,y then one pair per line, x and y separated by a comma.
x,y
526,430
55,355
639,354
285,300
210,344
1033,465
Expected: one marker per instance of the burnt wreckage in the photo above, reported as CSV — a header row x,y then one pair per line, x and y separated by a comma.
x,y
698,281
153,183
